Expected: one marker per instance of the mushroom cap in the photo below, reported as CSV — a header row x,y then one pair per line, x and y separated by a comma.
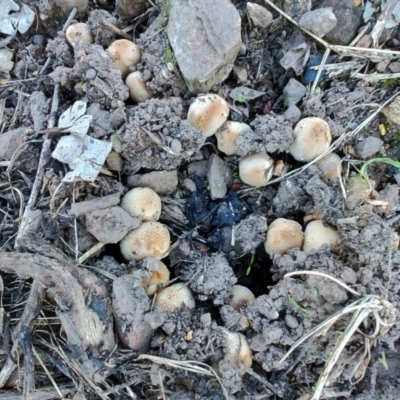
x,y
174,297
282,235
78,32
124,53
237,349
143,203
312,138
207,113
256,170
330,166
151,239
138,90
240,296
158,278
316,234
226,137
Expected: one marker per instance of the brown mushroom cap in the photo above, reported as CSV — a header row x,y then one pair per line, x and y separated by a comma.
x,y
226,137
138,90
256,170
78,32
151,239
154,280
316,235
124,53
240,296
174,297
143,203
312,138
207,113
282,235
330,166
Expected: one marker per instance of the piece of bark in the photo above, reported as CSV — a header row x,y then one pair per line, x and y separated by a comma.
x,y
84,207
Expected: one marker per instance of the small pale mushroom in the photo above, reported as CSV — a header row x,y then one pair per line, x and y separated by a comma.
x,y
143,203
207,113
283,235
78,32
237,350
312,138
138,90
151,239
226,137
317,234
155,279
125,54
240,297
174,297
330,166
256,169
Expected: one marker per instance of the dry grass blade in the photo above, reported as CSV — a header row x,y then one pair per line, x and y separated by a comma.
x,y
191,366
383,314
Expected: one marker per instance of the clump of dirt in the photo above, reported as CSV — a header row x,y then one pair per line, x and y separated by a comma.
x,y
157,137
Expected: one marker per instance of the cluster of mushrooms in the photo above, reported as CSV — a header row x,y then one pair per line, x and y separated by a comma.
x,y
208,113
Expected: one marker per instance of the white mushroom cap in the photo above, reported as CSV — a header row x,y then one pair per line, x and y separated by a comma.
x,y
330,166
317,234
256,170
151,239
237,349
240,296
312,138
142,202
78,32
174,297
158,278
207,113
138,90
226,137
282,235
125,54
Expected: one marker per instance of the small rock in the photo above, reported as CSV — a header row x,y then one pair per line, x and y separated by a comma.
x,y
114,161
349,19
292,114
368,147
291,321
101,118
293,92
349,276
110,225
205,37
162,182
365,41
98,203
394,66
128,9
219,176
381,65
189,185
320,21
259,15
91,74
391,195
130,305
9,142
198,168
355,95
296,8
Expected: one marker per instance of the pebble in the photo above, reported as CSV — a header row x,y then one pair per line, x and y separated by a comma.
x,y
296,8
394,66
368,147
291,321
292,114
219,176
162,182
320,21
293,92
259,15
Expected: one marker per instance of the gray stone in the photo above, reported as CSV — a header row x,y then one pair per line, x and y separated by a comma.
x,y
394,66
355,95
205,37
9,142
110,225
162,182
198,168
368,147
296,8
293,92
349,19
219,176
292,114
259,15
128,9
320,21
291,321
